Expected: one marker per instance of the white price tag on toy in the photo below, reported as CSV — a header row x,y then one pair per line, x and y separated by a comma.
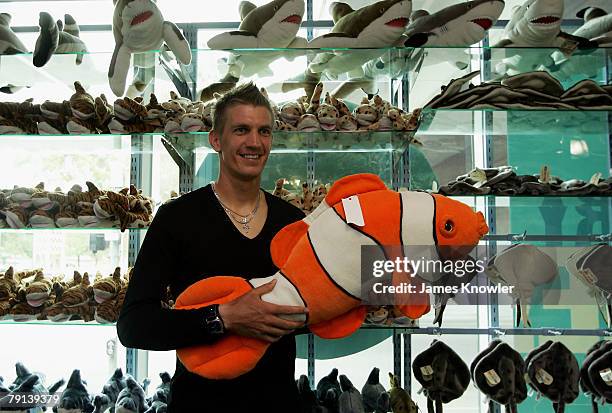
x,y
492,377
352,211
606,375
542,376
427,372
588,275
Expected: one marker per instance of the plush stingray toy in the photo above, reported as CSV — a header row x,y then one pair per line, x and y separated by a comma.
x,y
9,42
273,25
373,27
319,261
138,26
523,267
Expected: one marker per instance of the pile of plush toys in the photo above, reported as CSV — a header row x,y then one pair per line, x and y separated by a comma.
x,y
333,114
83,114
93,208
29,295
503,180
307,200
121,393
532,91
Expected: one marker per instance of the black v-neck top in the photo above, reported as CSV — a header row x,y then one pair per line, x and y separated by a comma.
x,y
192,238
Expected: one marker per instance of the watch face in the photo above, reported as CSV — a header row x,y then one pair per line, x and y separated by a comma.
x,y
216,326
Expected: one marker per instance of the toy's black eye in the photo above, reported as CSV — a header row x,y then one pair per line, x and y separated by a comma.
x,y
382,10
449,226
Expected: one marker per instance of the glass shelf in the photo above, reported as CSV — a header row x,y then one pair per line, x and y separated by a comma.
x,y
523,123
51,323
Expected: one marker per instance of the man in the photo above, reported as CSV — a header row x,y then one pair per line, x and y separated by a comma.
x,y
222,229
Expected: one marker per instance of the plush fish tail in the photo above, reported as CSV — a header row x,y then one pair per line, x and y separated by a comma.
x,y
214,360
224,85
47,41
71,26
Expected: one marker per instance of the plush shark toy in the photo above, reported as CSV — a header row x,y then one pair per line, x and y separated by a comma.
x,y
9,42
138,26
273,25
536,23
462,24
57,37
374,27
75,397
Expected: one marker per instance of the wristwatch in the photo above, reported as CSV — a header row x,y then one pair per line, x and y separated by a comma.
x,y
212,320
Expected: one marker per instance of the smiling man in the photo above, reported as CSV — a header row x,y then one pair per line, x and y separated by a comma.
x,y
224,228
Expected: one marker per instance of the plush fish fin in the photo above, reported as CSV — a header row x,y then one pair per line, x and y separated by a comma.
x,y
284,241
177,43
231,355
47,41
118,69
238,39
503,43
245,8
352,185
341,326
417,39
338,10
332,40
71,26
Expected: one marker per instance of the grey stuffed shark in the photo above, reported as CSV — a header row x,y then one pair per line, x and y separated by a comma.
x,y
57,37
138,26
9,42
537,24
461,24
272,25
371,27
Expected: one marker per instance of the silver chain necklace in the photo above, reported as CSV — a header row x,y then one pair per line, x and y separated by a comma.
x,y
243,220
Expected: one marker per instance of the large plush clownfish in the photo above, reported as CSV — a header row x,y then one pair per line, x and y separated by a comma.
x,y
320,266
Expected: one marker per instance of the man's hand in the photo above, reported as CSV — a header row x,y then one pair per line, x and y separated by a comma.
x,y
250,316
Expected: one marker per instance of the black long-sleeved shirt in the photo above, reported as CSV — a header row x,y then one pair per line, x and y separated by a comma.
x,y
192,238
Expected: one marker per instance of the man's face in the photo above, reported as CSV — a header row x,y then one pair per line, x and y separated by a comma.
x,y
244,144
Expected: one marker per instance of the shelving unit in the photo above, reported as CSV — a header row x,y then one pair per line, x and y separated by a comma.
x,y
455,141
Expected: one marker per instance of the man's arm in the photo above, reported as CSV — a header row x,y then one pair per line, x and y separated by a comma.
x,y
143,323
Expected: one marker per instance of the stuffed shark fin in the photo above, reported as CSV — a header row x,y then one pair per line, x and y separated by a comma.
x,y
284,241
237,39
177,42
338,10
341,326
353,185
118,69
71,26
245,8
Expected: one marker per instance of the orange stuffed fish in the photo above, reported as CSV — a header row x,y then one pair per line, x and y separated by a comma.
x,y
320,266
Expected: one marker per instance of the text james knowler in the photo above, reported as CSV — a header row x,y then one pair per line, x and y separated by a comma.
x,y
466,288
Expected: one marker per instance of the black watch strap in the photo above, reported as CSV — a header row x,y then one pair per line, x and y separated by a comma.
x,y
212,320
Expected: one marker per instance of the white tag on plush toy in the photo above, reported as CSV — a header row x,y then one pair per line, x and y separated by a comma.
x,y
492,377
352,211
427,372
606,375
542,376
588,275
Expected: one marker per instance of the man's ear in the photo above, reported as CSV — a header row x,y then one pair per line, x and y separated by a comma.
x,y
214,138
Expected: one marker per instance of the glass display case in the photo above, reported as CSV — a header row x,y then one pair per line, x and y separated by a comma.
x,y
573,144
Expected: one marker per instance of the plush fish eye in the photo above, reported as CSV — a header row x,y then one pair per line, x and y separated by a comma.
x,y
449,226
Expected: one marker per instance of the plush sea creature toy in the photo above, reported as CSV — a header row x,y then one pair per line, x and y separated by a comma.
x,y
273,25
461,24
132,398
9,42
597,26
75,397
350,398
372,390
319,264
536,23
138,26
328,390
373,26
58,37
399,399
